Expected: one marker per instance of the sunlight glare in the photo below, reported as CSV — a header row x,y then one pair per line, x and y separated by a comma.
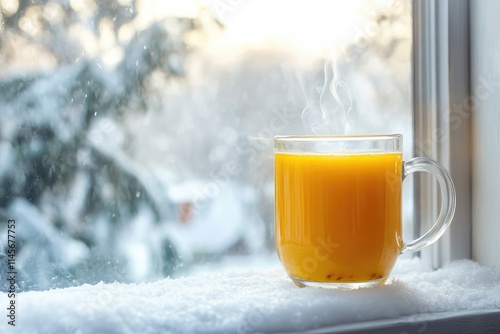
x,y
310,26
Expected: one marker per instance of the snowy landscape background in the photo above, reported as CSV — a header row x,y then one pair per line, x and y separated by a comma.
x,y
136,137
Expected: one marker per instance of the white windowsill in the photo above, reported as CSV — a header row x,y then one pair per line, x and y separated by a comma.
x,y
470,322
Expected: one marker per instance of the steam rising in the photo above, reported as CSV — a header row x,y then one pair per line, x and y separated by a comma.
x,y
328,114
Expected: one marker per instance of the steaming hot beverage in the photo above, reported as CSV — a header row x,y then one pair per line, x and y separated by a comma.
x,y
338,207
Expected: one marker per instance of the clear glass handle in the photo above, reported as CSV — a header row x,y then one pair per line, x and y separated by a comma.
x,y
448,201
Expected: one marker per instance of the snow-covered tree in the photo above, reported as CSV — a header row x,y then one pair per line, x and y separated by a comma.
x,y
64,164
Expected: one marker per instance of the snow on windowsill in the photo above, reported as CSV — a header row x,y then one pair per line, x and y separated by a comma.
x,y
249,300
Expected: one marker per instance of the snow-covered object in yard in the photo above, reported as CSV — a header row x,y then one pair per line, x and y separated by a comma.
x,y
248,301
44,236
38,244
221,223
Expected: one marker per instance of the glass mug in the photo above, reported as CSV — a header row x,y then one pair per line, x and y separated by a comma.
x,y
338,207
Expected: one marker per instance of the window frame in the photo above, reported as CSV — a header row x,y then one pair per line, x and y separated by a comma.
x,y
442,122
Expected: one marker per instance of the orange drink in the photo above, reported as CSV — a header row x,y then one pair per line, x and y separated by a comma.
x,y
338,207
338,216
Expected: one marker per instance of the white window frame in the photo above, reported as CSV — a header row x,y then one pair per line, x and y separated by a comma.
x,y
485,121
442,128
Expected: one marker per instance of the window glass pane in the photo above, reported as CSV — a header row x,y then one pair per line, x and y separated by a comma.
x,y
136,135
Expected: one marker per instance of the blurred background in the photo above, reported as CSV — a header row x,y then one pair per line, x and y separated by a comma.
x,y
136,135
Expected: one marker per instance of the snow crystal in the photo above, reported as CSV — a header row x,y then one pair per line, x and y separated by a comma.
x,y
251,300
